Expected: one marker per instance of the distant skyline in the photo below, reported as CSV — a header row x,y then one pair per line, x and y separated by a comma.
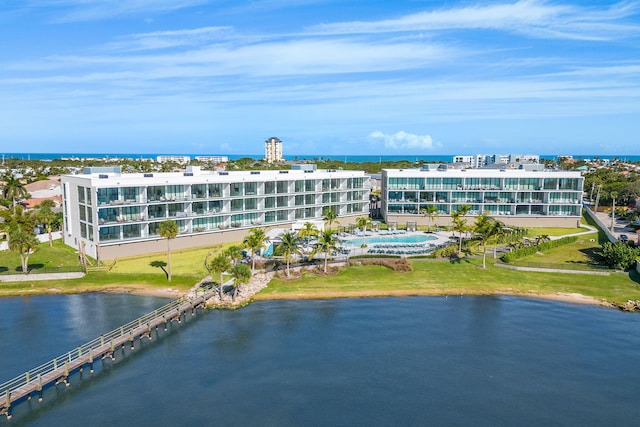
x,y
327,77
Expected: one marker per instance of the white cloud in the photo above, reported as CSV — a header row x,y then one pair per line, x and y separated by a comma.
x,y
404,140
531,17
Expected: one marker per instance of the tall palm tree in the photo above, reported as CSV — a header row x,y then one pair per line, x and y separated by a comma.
x,y
459,225
254,241
363,222
308,230
234,253
485,228
429,212
13,189
241,274
23,242
169,230
46,216
219,265
327,243
614,196
330,216
289,247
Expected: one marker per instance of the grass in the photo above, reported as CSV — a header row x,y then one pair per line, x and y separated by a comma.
x,y
548,231
60,255
583,251
451,278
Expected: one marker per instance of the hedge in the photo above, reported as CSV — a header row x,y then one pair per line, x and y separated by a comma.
x,y
519,253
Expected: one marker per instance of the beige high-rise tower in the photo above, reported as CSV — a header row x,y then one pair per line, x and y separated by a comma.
x,y
273,150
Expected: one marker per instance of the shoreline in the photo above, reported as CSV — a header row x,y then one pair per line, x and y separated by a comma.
x,y
248,297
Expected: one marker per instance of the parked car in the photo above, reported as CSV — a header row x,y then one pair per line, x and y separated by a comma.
x,y
623,238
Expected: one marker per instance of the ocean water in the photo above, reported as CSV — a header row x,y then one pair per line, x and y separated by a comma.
x,y
456,361
345,158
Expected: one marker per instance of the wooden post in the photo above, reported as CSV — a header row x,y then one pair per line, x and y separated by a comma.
x,y
101,340
8,404
55,364
131,338
27,378
91,361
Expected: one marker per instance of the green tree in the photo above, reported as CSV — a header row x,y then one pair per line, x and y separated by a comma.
x,y
254,241
307,231
47,217
234,253
362,222
459,225
330,216
487,229
241,274
619,255
13,189
327,243
289,247
23,242
219,265
169,230
429,212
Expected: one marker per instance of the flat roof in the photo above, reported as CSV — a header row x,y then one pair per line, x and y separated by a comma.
x,y
480,173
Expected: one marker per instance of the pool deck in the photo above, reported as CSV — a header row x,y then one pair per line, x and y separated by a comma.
x,y
440,238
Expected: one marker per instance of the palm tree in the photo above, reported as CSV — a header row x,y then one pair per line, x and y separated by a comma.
x,y
289,247
46,216
429,212
308,230
459,225
23,242
219,265
169,230
614,196
13,189
254,241
363,222
327,243
234,253
241,274
486,228
330,216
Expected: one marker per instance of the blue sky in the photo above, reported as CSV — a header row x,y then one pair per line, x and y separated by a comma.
x,y
414,77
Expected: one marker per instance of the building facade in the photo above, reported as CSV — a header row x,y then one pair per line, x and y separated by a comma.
x,y
183,160
517,197
273,150
481,160
114,214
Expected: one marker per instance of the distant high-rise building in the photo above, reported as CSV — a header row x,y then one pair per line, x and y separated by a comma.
x,y
273,150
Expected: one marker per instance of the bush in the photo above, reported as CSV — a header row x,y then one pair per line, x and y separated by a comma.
x,y
401,265
619,255
519,253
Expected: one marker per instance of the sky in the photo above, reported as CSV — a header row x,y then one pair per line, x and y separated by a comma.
x,y
327,77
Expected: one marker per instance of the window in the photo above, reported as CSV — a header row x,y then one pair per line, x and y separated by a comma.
x,y
250,188
282,186
299,186
81,195
269,187
198,191
269,202
236,205
215,190
310,185
251,204
236,189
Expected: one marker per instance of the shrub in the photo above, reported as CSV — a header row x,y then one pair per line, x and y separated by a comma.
x,y
619,255
519,253
401,265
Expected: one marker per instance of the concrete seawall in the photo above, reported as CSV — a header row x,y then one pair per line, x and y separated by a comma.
x,y
43,276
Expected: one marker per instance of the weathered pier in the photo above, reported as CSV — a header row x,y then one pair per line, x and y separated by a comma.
x,y
58,370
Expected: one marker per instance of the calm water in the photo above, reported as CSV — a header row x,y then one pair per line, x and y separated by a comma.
x,y
389,239
387,361
348,158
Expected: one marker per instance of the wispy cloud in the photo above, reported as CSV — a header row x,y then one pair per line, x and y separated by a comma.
x,y
530,17
170,39
91,10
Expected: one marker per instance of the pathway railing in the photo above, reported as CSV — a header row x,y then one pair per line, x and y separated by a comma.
x,y
90,348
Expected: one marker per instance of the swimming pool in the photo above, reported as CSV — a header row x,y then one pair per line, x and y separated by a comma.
x,y
417,238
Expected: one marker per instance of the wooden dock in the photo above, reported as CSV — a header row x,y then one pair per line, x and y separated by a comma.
x,y
57,371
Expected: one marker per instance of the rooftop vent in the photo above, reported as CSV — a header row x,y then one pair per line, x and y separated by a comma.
x,y
255,172
103,176
148,175
188,174
283,171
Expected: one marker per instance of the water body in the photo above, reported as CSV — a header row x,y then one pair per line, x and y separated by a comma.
x,y
481,361
444,158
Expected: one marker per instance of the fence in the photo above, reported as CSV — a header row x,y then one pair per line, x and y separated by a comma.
x,y
91,348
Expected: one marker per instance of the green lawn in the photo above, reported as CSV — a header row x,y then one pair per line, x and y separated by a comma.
x,y
445,277
548,231
60,255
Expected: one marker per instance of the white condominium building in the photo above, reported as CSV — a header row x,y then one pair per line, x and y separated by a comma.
x,y
115,214
183,160
273,150
517,197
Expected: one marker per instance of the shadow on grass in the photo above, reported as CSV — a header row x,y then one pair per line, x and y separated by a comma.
x,y
161,265
635,276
